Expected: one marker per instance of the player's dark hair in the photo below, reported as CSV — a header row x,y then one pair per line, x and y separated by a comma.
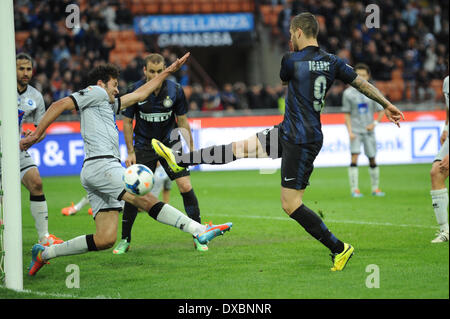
x,y
24,56
103,72
362,66
307,22
153,58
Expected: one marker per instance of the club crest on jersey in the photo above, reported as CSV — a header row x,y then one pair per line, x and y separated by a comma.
x,y
167,102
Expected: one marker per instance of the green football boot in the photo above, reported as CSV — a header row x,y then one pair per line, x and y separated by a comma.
x,y
122,247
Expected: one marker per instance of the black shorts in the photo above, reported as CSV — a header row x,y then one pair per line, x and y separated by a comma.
x,y
296,159
149,158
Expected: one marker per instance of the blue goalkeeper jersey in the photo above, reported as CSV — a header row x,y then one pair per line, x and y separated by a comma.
x,y
156,116
309,72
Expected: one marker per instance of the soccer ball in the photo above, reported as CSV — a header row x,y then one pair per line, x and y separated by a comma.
x,y
138,179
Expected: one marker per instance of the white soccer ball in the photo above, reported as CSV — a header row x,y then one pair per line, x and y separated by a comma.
x,y
138,179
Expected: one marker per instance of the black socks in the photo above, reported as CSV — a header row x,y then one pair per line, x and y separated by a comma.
x,y
316,228
129,215
213,155
191,205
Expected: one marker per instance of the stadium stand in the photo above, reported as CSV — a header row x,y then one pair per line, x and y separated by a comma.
x,y
407,64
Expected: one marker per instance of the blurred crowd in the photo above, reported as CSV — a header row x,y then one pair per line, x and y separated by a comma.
x,y
414,32
236,96
62,55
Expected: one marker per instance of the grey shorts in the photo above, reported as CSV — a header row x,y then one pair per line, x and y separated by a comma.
x,y
102,180
26,163
442,152
366,139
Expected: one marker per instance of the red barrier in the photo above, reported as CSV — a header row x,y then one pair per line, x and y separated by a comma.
x,y
245,121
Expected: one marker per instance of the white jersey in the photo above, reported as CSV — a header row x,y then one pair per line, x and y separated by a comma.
x,y
445,90
31,106
361,109
98,121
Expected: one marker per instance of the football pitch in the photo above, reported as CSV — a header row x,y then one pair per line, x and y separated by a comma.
x,y
266,255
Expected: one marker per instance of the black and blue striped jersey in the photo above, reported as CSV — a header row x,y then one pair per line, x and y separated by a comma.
x,y
156,116
309,72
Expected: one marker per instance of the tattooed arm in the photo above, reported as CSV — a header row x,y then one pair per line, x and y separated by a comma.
x,y
392,113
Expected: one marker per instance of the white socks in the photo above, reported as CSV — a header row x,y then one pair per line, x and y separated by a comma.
x,y
171,216
74,246
39,211
83,202
439,199
158,185
353,177
374,173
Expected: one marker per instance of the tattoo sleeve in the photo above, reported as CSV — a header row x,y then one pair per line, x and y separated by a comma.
x,y
370,91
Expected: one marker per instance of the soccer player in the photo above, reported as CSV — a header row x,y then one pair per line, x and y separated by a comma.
x,y
158,117
162,183
439,173
309,73
160,180
31,108
102,172
75,208
359,118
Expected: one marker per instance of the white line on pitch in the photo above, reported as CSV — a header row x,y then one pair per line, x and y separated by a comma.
x,y
57,295
328,220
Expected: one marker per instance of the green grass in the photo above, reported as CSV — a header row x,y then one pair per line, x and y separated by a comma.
x,y
266,255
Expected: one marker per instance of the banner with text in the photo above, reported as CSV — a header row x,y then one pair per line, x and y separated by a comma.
x,y
414,142
194,23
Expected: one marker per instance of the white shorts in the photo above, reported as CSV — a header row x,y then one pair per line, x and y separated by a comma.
x,y
26,163
369,142
442,152
102,180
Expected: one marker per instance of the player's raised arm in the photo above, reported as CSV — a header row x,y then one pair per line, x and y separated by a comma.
x,y
145,90
55,110
392,112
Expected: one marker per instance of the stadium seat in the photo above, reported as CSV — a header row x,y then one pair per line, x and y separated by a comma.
x,y
152,8
166,7
234,5
248,6
321,21
126,35
207,7
220,6
135,46
180,6
137,9
396,89
112,35
121,46
21,37
436,85
397,74
273,19
187,91
265,10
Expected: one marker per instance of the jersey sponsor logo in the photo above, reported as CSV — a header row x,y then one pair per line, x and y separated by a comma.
x,y
363,108
319,66
155,117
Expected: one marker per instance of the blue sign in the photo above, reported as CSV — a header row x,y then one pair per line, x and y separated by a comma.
x,y
425,142
63,154
232,22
